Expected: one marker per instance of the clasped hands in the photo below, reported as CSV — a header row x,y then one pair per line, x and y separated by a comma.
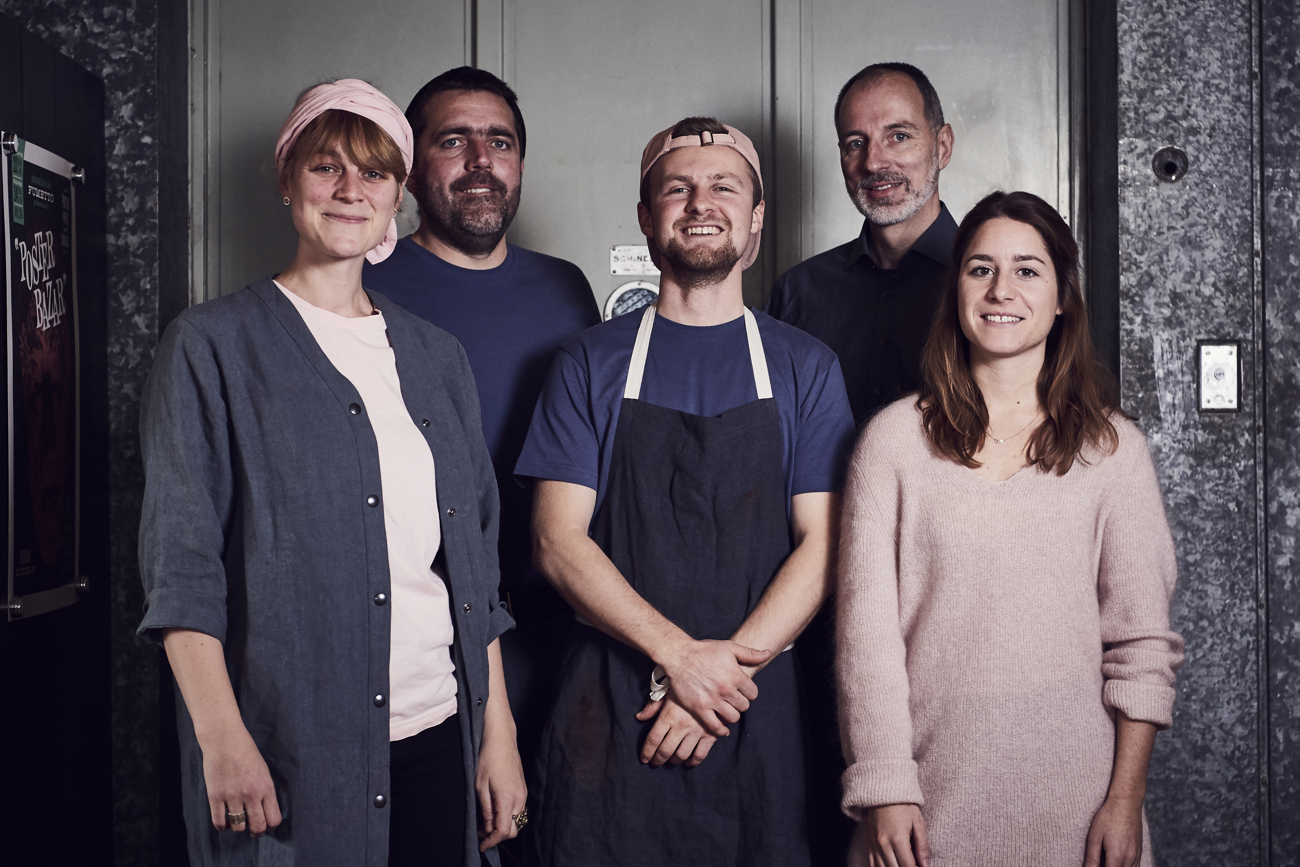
x,y
711,684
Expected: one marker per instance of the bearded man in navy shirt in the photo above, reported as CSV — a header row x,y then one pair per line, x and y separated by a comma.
x,y
509,307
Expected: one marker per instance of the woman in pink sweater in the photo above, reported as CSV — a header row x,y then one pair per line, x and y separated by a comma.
x,y
1004,651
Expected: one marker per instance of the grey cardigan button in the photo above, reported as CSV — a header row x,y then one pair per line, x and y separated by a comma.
x,y
480,702
381,598
468,607
380,701
380,801
424,422
354,408
451,513
372,501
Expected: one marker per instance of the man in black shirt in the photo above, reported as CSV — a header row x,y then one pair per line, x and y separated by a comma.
x,y
871,300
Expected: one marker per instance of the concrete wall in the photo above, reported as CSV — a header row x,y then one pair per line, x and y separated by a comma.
x,y
1214,256
1280,207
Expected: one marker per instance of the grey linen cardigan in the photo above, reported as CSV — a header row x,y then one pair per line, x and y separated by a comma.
x,y
263,526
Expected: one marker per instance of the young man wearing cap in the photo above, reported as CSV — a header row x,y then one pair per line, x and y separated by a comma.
x,y
687,462
510,308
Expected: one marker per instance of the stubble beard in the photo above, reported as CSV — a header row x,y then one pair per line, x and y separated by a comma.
x,y
702,266
913,201
474,227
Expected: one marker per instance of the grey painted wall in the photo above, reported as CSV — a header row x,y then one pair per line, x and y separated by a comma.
x,y
116,41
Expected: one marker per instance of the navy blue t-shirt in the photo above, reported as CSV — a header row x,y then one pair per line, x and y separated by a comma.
x,y
510,319
703,370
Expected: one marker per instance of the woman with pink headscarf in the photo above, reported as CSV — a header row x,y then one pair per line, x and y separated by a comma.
x,y
318,542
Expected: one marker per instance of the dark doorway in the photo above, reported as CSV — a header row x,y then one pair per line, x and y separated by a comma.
x,y
1101,176
56,806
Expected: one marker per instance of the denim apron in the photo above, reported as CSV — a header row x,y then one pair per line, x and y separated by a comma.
x,y
695,518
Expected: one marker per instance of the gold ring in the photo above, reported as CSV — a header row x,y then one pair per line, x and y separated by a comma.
x,y
521,819
237,818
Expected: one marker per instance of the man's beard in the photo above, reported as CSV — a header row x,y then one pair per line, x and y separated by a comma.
x,y
473,226
913,201
698,267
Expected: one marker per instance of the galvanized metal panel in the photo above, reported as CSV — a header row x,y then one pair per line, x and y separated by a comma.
x,y
267,53
999,69
596,80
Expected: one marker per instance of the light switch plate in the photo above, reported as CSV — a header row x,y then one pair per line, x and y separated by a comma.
x,y
1218,376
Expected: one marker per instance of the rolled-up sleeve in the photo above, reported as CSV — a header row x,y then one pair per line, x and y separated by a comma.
x,y
185,445
1141,654
489,503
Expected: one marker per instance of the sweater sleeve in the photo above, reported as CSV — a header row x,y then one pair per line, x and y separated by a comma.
x,y
1140,654
871,658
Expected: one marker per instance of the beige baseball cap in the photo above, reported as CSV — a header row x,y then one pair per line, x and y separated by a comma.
x,y
664,142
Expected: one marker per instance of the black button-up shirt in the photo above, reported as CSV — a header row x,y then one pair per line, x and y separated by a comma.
x,y
875,320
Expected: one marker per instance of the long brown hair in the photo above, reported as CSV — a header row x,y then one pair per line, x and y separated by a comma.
x,y
1078,394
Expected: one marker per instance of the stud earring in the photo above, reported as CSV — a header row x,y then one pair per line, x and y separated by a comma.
x,y
286,200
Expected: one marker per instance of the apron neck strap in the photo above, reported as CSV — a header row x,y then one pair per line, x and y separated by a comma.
x,y
640,349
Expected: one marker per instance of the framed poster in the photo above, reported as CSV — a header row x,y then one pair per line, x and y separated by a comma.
x,y
42,361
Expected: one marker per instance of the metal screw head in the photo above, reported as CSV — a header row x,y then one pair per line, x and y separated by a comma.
x,y
1169,164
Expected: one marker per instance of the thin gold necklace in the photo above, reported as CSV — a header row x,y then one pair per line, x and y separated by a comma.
x,y
989,431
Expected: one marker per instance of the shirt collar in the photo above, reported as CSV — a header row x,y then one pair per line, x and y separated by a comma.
x,y
935,242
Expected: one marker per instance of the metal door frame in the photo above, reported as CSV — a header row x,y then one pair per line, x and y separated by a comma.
x,y
787,59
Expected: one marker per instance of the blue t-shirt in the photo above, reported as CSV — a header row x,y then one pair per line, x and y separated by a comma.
x,y
510,319
703,370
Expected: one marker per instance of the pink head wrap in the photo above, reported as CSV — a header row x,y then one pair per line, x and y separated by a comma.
x,y
664,142
358,97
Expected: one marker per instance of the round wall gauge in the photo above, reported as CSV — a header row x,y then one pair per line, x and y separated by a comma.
x,y
630,297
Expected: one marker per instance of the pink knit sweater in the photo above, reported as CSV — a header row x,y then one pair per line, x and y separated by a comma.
x,y
987,632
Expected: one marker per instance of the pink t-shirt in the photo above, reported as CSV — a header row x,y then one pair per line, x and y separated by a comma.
x,y
421,674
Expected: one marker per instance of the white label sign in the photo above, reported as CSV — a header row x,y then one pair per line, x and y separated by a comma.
x,y
630,259
1219,375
